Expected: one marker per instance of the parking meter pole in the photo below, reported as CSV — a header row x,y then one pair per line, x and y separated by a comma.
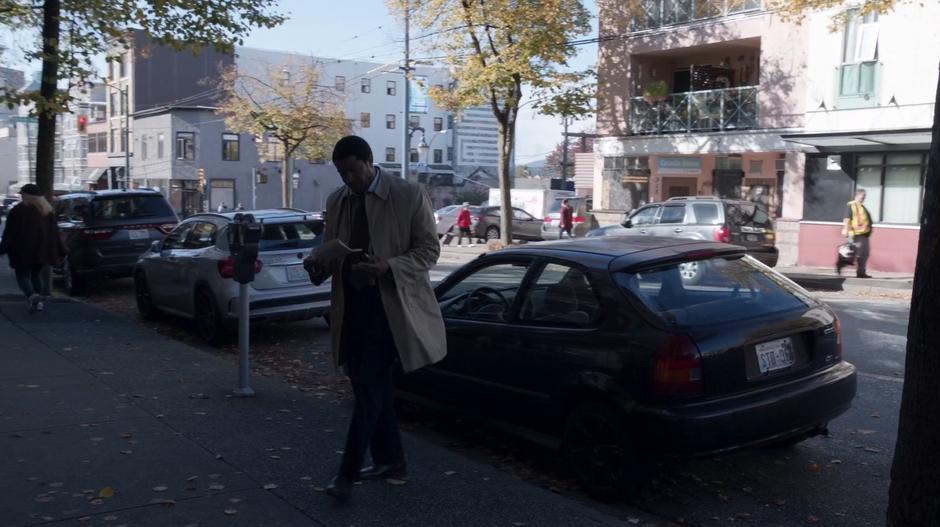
x,y
243,342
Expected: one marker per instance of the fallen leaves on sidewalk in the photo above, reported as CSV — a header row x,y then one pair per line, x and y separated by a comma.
x,y
107,492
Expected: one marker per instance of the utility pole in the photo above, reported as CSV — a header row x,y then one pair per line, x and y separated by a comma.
x,y
406,151
127,141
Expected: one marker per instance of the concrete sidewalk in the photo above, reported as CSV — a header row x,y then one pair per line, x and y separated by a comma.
x,y
105,422
809,277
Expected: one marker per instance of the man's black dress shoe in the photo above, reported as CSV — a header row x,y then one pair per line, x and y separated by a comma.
x,y
340,488
863,275
394,471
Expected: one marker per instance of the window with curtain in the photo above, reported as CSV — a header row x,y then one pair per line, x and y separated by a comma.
x,y
389,155
859,55
869,178
894,186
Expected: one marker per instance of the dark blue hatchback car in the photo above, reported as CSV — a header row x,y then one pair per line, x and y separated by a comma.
x,y
600,346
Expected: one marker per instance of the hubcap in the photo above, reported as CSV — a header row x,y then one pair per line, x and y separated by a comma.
x,y
688,270
492,233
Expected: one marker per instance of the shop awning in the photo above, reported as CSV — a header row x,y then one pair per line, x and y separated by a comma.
x,y
872,140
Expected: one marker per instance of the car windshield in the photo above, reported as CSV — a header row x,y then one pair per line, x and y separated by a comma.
x,y
713,291
130,207
749,214
555,207
278,236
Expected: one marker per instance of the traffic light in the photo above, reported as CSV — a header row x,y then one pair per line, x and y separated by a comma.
x,y
82,123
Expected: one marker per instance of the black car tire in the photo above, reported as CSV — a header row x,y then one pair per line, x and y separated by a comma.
x,y
72,282
326,318
492,232
144,299
599,452
210,325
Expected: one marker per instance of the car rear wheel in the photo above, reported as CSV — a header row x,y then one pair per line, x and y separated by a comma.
x,y
599,452
492,233
73,284
691,272
210,326
144,299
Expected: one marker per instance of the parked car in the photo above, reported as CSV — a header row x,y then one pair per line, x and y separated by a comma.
x,y
106,231
190,273
7,203
743,223
486,224
598,347
584,221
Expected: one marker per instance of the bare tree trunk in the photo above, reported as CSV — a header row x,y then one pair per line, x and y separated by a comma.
x,y
45,140
285,177
507,137
914,495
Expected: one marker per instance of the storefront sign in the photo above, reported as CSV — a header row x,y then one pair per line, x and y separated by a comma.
x,y
679,165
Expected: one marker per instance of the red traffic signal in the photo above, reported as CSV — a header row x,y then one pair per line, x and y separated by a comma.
x,y
82,123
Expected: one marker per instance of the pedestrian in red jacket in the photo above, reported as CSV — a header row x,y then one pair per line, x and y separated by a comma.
x,y
567,219
464,222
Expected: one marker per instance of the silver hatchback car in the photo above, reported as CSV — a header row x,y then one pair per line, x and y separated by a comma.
x,y
190,273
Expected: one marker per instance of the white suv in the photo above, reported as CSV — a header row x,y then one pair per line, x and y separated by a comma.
x,y
190,273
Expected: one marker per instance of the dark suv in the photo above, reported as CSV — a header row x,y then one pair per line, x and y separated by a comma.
x,y
107,231
708,218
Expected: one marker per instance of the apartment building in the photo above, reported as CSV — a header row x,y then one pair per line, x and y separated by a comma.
x,y
13,79
725,98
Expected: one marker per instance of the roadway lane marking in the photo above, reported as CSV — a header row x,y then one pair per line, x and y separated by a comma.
x,y
880,377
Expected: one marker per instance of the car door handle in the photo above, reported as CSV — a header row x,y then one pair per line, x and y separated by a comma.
x,y
642,231
677,229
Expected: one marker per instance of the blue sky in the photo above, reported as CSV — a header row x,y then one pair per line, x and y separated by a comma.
x,y
364,30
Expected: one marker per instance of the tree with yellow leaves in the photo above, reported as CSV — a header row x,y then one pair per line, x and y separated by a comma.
x,y
285,103
495,48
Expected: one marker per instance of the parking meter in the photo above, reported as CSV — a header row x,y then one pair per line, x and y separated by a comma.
x,y
244,235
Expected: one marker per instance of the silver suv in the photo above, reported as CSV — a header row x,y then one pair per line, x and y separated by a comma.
x,y
190,273
743,223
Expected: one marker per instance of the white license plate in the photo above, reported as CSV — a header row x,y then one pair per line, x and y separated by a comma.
x,y
775,355
139,234
751,237
297,273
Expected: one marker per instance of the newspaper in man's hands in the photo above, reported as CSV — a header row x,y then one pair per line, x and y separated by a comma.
x,y
332,253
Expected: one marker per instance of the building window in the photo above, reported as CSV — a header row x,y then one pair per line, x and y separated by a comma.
x,y
414,121
390,88
438,156
389,155
450,153
390,121
229,147
450,122
123,139
858,72
340,83
160,138
365,119
113,141
729,163
755,166
893,186
143,147
274,150
365,86
413,156
438,124
186,145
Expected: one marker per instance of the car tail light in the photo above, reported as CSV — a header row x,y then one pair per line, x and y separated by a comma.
x,y
838,327
678,369
578,219
723,234
96,234
227,267
166,228
478,219
547,219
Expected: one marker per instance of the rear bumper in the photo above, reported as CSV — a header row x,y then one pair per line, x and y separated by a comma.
x,y
783,411
282,308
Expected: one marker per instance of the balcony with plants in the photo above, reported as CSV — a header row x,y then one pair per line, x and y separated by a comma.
x,y
716,91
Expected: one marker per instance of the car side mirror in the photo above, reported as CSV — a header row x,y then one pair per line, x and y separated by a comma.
x,y
628,223
156,246
318,228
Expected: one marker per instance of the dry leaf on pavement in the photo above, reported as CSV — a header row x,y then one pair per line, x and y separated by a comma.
x,y
106,492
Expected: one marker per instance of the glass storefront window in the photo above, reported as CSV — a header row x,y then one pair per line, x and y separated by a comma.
x,y
902,188
893,184
869,178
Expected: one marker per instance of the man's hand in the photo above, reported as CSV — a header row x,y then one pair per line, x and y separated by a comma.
x,y
845,232
375,266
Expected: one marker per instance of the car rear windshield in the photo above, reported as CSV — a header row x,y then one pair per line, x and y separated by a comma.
x,y
281,236
749,214
713,291
555,207
130,207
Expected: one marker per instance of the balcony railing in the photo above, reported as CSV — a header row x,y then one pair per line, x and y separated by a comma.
x,y
697,111
660,13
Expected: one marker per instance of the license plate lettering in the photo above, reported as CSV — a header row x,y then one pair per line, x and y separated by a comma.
x,y
775,355
139,234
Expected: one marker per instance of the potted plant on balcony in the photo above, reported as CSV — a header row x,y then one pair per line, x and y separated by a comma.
x,y
656,92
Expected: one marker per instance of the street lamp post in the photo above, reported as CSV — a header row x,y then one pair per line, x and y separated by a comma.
x,y
406,162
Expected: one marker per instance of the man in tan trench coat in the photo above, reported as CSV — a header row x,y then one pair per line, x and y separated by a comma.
x,y
383,307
